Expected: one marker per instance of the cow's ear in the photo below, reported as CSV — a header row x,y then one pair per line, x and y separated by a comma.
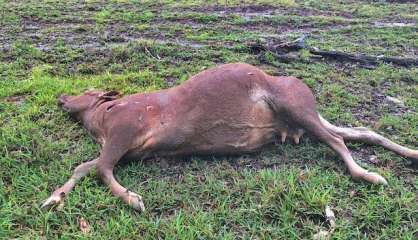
x,y
109,96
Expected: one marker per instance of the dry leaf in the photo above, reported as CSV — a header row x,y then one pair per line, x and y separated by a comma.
x,y
323,234
303,175
84,225
330,217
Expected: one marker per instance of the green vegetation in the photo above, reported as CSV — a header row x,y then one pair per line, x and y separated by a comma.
x,y
53,47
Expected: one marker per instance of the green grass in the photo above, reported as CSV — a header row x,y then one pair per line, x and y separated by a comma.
x,y
54,47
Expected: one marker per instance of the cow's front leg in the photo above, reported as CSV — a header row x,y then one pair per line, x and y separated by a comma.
x,y
112,152
131,198
59,194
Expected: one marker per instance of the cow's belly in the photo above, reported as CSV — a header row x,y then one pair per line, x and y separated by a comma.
x,y
242,137
249,131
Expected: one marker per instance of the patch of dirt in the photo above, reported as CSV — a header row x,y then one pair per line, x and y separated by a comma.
x,y
84,35
231,9
374,102
394,24
265,10
16,99
365,154
401,1
379,105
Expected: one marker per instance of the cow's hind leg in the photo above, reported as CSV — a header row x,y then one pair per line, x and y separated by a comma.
x,y
362,134
79,172
311,122
109,156
293,101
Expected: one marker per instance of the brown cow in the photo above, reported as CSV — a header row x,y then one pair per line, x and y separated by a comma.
x,y
229,109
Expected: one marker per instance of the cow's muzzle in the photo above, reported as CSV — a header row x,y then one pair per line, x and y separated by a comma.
x,y
62,100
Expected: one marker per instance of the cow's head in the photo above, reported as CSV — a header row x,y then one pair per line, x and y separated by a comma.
x,y
80,105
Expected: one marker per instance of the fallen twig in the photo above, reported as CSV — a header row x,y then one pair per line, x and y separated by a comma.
x,y
298,44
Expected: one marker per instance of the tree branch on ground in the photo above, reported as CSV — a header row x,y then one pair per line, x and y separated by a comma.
x,y
279,50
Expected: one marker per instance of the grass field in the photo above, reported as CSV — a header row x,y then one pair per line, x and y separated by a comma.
x,y
51,47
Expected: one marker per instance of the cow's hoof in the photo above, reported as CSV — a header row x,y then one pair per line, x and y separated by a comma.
x,y
374,178
135,201
56,198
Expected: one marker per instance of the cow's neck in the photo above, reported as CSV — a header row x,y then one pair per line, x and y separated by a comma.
x,y
90,121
